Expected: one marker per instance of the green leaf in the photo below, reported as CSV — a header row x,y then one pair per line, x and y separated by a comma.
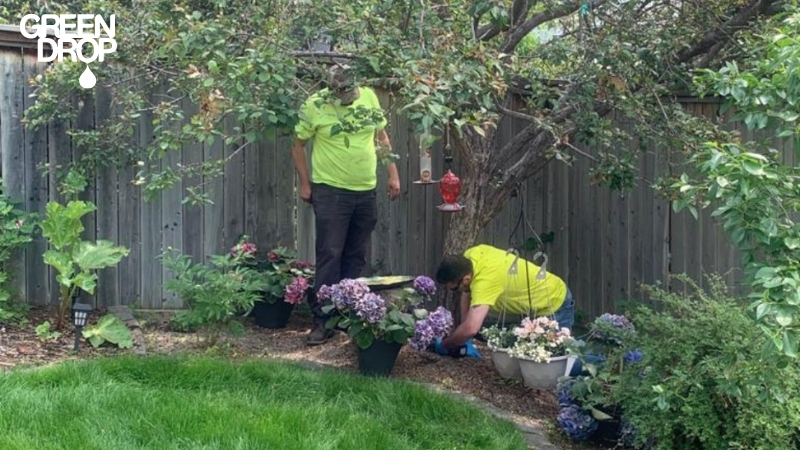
x,y
328,308
60,261
790,343
753,168
111,329
103,254
85,281
600,415
783,317
62,225
332,322
364,339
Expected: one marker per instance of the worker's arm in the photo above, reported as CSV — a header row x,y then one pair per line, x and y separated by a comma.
x,y
468,328
391,168
464,307
301,166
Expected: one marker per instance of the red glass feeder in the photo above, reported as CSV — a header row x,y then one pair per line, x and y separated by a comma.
x,y
450,187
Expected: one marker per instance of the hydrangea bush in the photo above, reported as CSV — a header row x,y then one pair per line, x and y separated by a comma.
x,y
367,316
540,340
604,355
287,277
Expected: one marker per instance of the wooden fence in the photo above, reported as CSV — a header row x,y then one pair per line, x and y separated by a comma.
x,y
605,244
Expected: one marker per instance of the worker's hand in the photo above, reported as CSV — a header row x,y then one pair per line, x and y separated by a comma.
x,y
467,350
305,193
394,187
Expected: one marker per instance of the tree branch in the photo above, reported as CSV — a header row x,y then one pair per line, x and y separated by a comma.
x,y
722,34
519,11
516,36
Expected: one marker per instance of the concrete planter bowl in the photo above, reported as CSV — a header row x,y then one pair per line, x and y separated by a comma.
x,y
540,375
505,365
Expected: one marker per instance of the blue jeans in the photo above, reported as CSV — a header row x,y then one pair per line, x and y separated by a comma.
x,y
565,315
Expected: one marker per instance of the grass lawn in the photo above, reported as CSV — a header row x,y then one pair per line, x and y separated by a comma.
x,y
194,403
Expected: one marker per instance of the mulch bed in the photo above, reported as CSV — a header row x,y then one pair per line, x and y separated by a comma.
x,y
20,346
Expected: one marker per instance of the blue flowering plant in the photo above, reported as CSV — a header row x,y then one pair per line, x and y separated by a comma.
x,y
588,399
367,316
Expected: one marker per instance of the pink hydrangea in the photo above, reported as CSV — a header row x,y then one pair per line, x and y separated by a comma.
x,y
295,291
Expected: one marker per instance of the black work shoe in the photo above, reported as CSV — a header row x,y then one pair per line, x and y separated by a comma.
x,y
319,335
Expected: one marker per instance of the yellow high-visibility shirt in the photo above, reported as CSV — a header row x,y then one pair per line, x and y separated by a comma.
x,y
345,160
492,285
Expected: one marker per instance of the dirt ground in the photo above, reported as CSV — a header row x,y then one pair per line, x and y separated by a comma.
x,y
20,346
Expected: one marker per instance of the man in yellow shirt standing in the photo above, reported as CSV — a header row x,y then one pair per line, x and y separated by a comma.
x,y
344,121
482,276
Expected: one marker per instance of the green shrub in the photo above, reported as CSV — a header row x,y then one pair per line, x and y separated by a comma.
x,y
707,382
16,228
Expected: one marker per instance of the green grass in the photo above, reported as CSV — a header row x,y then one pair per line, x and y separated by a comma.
x,y
202,404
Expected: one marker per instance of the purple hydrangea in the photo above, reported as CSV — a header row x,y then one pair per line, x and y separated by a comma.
x,y
617,321
325,293
564,393
347,293
424,286
436,325
370,307
440,321
576,422
423,335
633,356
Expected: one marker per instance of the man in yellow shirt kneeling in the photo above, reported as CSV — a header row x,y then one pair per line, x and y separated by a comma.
x,y
482,276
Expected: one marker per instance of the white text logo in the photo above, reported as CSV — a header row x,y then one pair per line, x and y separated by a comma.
x,y
85,37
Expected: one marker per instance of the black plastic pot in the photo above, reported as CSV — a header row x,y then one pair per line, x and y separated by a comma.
x,y
608,432
272,315
379,358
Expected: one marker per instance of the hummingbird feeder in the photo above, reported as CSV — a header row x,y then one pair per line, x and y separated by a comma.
x,y
450,187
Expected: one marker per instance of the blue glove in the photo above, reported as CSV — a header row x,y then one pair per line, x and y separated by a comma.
x,y
467,350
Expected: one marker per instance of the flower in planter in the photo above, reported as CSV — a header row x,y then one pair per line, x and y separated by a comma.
x,y
576,422
296,290
499,338
436,325
367,316
540,340
287,277
424,286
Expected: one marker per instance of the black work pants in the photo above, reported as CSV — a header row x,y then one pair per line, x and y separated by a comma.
x,y
344,221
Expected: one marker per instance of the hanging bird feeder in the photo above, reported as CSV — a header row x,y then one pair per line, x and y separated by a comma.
x,y
425,165
450,188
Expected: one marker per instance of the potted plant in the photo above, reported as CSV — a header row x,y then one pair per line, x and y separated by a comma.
x,y
213,292
588,399
287,279
541,349
500,340
378,327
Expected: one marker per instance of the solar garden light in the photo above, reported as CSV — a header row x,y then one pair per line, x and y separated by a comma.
x,y
80,313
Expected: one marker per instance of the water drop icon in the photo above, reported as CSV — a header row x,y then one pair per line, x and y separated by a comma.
x,y
87,79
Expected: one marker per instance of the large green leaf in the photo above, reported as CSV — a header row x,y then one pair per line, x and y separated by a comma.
x,y
111,329
60,261
86,281
103,254
62,225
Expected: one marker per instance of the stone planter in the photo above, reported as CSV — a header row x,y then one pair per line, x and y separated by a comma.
x,y
505,365
545,375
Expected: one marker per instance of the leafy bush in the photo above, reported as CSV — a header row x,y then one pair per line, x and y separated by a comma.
x,y
16,228
75,260
707,383
213,293
109,328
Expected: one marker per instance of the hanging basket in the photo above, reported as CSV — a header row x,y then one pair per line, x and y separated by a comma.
x,y
505,365
379,358
272,315
539,375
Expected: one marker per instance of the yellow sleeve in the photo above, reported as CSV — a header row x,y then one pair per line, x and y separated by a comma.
x,y
484,292
305,128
